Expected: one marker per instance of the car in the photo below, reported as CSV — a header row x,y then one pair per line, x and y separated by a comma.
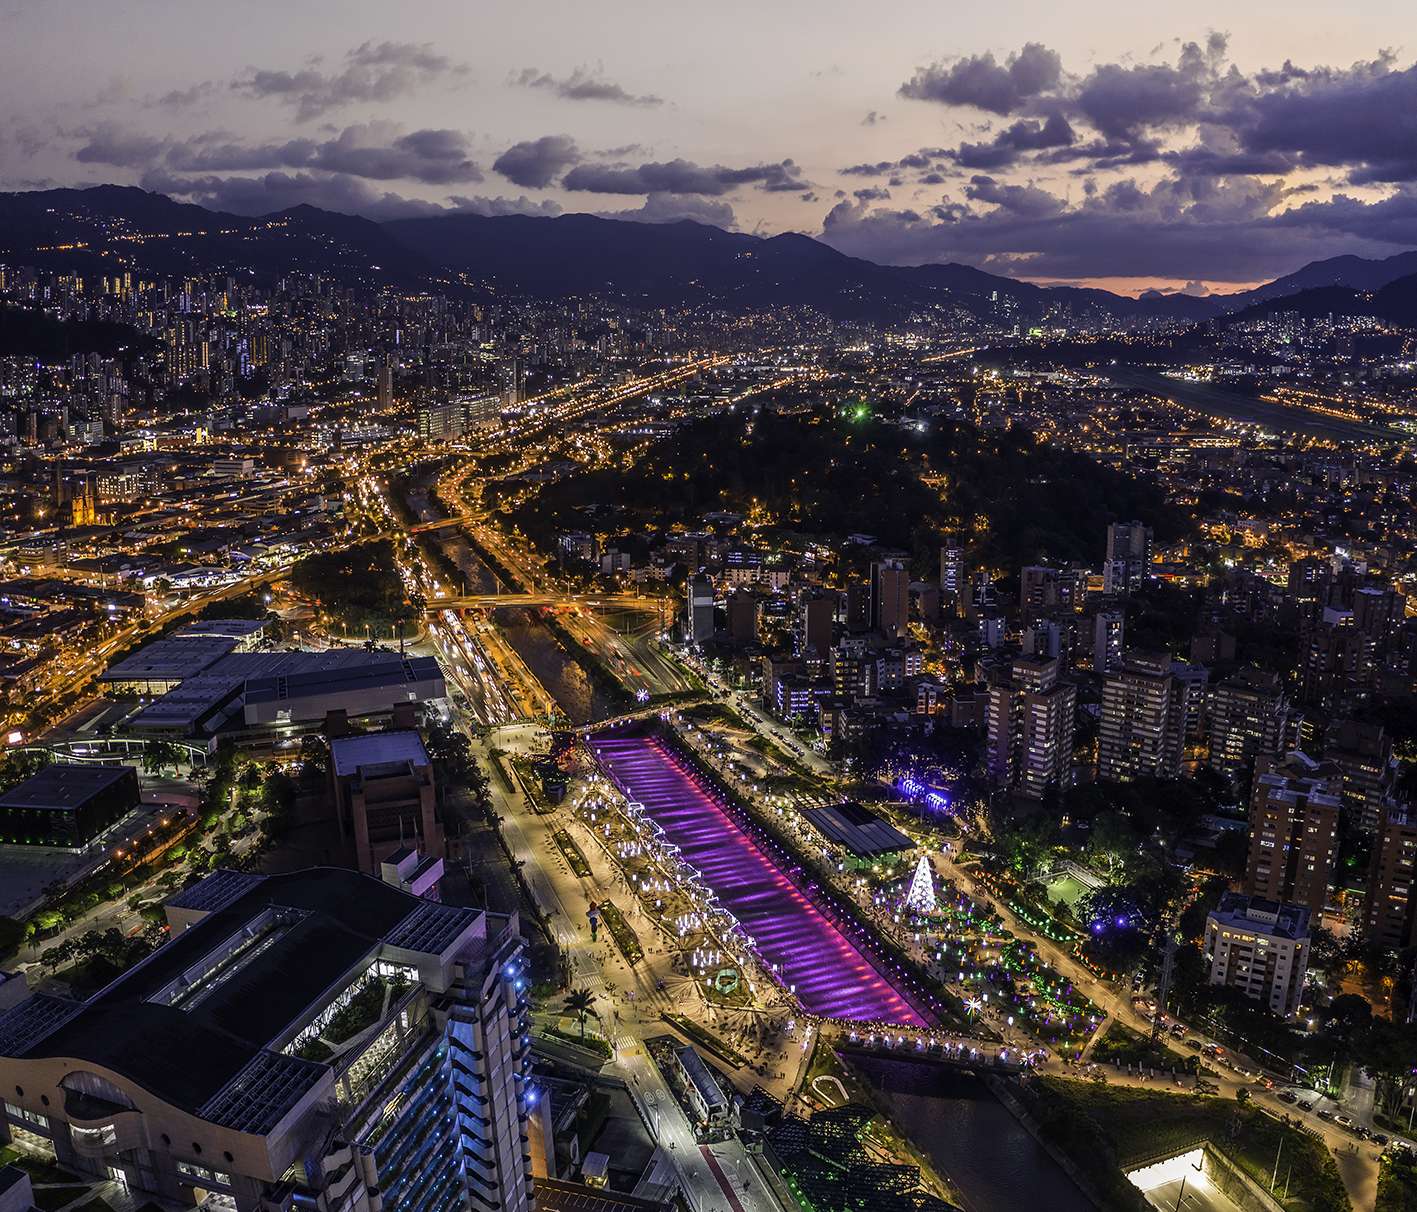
x,y
1288,1096
1324,1115
1343,1121
1309,1106
1178,1030
1194,1043
1379,1139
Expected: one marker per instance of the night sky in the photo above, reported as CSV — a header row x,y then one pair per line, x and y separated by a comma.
x,y
1124,144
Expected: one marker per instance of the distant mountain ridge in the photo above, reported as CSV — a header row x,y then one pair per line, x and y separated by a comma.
x,y
653,265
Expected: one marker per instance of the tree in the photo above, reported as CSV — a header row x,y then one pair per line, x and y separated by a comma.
x,y
159,756
581,1003
1388,1053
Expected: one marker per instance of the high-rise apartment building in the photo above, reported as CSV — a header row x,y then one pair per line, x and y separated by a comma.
x,y
1142,732
1029,720
1363,753
1294,811
1388,919
699,607
1128,559
890,598
818,613
1249,716
954,574
1109,630
1338,657
314,1042
1260,947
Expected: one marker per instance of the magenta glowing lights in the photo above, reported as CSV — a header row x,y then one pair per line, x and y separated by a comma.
x,y
831,975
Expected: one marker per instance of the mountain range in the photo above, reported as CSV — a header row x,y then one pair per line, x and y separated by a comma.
x,y
108,229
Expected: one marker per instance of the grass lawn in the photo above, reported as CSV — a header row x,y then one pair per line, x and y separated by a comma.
x,y
1065,888
1103,1128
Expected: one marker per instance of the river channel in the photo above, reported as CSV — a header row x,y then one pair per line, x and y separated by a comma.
x,y
972,1139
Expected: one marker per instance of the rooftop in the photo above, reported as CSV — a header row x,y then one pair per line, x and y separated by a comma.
x,y
199,1023
1258,915
349,753
858,829
62,787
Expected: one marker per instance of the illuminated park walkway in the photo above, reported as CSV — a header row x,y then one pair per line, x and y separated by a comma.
x,y
832,976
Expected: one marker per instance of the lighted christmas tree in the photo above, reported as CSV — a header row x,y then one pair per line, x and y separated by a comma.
x,y
921,897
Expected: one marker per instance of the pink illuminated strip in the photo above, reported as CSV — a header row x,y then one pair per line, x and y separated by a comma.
x,y
833,977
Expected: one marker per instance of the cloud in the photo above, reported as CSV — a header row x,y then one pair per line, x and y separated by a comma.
x,y
1205,228
1025,135
1363,118
185,98
535,163
109,143
275,191
583,85
1026,201
372,71
673,208
683,177
982,82
376,150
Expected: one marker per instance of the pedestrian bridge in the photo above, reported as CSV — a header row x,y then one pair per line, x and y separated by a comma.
x,y
102,751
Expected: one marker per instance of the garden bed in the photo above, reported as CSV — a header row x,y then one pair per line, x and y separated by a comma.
x,y
625,938
574,856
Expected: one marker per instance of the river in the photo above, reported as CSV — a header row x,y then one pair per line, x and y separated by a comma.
x,y
971,1138
565,681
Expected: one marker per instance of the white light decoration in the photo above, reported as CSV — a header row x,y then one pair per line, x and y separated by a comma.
x,y
921,897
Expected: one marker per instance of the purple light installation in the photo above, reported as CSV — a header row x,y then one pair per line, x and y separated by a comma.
x,y
832,975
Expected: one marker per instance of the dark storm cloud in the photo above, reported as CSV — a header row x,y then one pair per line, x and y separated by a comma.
x,y
682,177
535,163
983,82
372,71
1364,117
375,150
583,85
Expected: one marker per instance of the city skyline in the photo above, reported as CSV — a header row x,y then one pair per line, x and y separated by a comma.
x,y
1118,150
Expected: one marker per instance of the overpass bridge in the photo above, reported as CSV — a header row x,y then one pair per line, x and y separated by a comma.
x,y
949,1052
104,751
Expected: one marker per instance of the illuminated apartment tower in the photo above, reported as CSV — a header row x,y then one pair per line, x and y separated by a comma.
x,y
1388,905
1109,631
1128,560
313,1042
1294,811
1028,724
1143,724
1249,717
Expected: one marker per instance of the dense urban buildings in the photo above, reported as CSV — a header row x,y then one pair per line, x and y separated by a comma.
x,y
642,707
